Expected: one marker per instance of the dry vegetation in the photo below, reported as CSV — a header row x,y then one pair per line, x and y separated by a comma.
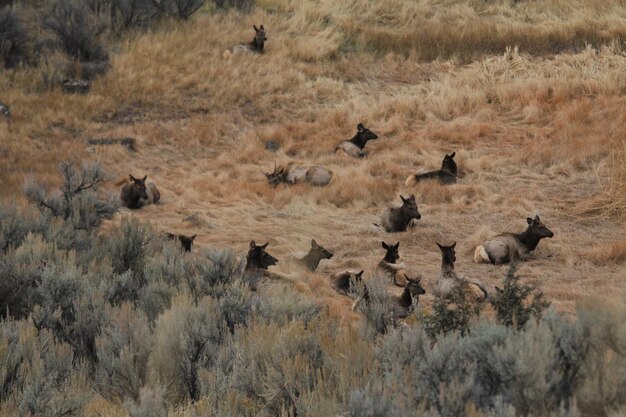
x,y
530,95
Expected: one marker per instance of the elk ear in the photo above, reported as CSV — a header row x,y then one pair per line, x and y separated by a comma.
x,y
397,245
385,246
452,155
262,28
498,289
131,178
255,28
453,245
314,243
412,197
144,178
252,244
537,218
440,246
404,200
265,246
360,127
360,273
193,237
529,220
418,279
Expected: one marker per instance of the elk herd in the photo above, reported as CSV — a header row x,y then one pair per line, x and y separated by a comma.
x,y
503,248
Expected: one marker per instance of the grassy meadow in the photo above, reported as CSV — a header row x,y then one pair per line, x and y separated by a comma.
x,y
531,96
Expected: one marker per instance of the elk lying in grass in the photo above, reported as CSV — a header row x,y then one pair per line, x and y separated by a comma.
x,y
508,247
137,194
354,147
315,175
257,262
449,279
185,241
255,46
446,175
408,300
397,219
5,112
312,259
343,282
388,267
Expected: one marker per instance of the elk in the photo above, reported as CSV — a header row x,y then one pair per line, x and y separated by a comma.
x,y
257,262
5,111
446,175
449,279
185,241
397,219
255,46
408,300
354,147
315,175
508,247
343,282
388,267
312,259
136,194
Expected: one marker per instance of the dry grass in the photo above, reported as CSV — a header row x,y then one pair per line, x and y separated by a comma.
x,y
538,129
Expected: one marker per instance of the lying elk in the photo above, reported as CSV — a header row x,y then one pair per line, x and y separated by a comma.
x,y
255,46
388,267
446,175
5,112
508,247
397,219
354,147
291,174
450,280
136,194
408,300
185,241
312,259
343,282
257,262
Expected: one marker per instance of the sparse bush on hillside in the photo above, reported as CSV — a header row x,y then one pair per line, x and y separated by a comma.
x,y
242,5
131,14
187,338
150,404
123,348
77,202
516,303
451,312
13,38
182,9
39,376
377,310
77,30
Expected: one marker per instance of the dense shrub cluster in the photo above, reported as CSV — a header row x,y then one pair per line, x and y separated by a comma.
x,y
130,317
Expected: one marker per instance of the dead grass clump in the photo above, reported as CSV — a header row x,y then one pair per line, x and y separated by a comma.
x,y
610,253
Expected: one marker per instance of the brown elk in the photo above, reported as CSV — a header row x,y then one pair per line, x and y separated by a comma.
x,y
449,279
354,147
388,267
408,300
185,241
508,247
291,174
446,175
137,194
343,282
255,46
312,259
397,219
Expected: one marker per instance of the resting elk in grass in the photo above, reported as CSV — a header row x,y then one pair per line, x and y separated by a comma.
x,y
388,267
397,219
257,262
315,175
408,300
137,194
312,259
354,147
449,279
508,247
446,175
185,241
255,46
343,282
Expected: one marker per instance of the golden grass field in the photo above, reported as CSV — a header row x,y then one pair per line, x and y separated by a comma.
x,y
539,129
